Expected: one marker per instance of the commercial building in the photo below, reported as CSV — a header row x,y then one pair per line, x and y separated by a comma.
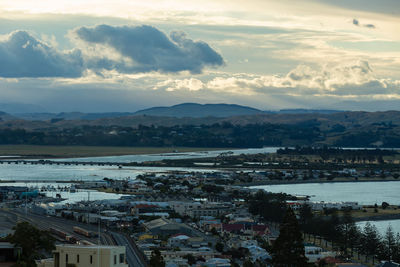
x,y
86,256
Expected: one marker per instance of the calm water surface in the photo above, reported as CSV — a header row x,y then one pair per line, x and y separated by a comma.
x,y
383,225
18,172
366,193
186,155
362,192
21,172
59,188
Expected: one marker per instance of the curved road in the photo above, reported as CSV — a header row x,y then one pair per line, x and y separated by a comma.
x,y
132,256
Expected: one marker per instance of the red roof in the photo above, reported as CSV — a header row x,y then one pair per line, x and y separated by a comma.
x,y
330,260
232,227
260,228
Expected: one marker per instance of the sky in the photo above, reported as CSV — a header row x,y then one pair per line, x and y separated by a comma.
x,y
126,55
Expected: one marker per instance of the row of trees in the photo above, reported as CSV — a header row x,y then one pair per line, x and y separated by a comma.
x,y
326,151
342,232
348,237
216,135
271,207
288,249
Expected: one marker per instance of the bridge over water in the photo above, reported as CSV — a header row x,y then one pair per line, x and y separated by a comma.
x,y
52,162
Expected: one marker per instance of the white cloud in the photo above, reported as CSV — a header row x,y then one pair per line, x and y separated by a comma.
x,y
344,80
170,85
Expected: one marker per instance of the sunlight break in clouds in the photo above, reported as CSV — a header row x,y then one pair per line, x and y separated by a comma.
x,y
258,52
342,81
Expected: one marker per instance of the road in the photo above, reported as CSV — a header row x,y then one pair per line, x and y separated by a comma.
x,y
132,254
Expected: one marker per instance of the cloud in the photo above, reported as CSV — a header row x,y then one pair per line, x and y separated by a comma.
x,y
356,22
343,80
134,49
22,55
185,84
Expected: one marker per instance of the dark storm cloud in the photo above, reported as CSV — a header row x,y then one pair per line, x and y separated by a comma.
x,y
149,49
22,55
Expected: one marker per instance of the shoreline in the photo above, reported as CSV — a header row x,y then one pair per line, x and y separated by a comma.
x,y
18,152
265,183
277,182
386,217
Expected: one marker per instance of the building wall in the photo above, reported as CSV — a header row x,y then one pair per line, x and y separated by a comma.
x,y
86,256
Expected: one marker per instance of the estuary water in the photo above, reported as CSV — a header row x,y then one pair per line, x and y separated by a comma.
x,y
186,155
365,193
22,172
53,189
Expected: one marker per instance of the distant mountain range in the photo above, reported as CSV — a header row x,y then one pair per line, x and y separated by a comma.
x,y
194,110
307,111
70,116
210,125
185,110
6,117
14,108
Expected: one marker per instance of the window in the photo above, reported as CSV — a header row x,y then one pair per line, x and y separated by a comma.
x,y
91,259
77,258
115,259
66,258
121,258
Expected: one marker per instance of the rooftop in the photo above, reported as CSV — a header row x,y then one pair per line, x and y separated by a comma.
x,y
88,247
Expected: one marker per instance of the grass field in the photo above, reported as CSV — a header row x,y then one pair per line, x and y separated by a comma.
x,y
89,151
369,211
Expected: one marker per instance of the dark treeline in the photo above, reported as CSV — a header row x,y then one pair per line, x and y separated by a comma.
x,y
214,135
335,151
347,237
270,206
340,231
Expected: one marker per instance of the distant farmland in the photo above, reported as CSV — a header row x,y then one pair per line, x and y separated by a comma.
x,y
88,151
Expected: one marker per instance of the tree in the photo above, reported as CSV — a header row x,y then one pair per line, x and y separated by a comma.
x,y
288,249
268,205
156,259
389,244
306,216
190,258
219,247
248,263
396,250
33,242
348,233
370,240
214,231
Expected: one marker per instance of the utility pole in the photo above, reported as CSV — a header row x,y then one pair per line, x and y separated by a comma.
x,y
26,200
98,240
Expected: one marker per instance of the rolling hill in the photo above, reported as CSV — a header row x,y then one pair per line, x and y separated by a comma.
x,y
195,110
